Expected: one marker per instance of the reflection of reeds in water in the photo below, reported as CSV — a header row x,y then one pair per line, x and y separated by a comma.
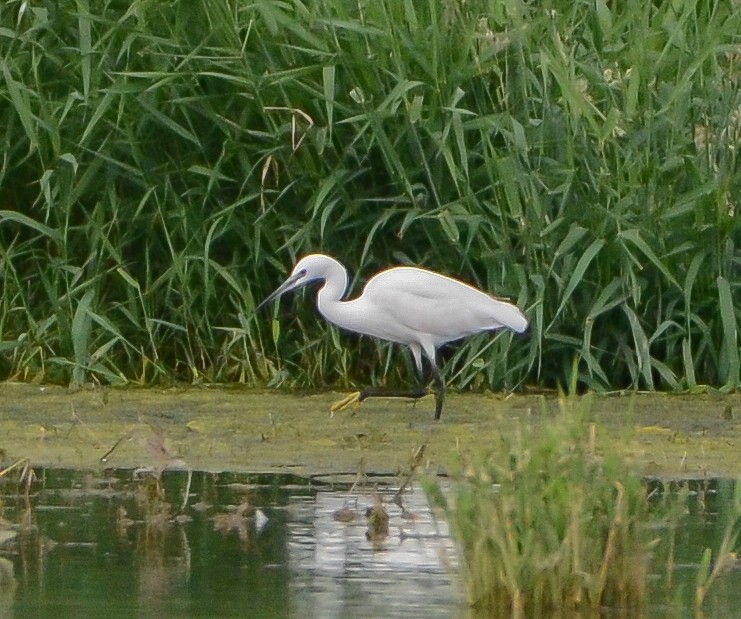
x,y
713,566
164,562
8,585
143,518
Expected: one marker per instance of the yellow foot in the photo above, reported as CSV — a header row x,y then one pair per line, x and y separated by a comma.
x,y
351,399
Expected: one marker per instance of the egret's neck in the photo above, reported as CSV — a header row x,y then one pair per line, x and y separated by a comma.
x,y
335,284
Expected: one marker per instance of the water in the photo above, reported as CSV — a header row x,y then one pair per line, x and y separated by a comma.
x,y
125,544
244,546
709,514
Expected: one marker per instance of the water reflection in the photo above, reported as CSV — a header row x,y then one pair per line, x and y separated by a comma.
x,y
710,513
340,572
126,545
134,544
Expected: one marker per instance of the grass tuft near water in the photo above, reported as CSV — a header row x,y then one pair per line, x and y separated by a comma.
x,y
548,522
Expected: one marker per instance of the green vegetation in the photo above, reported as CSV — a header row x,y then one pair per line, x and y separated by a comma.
x,y
553,522
165,162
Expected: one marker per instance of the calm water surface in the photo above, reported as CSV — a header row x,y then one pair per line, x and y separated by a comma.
x,y
125,544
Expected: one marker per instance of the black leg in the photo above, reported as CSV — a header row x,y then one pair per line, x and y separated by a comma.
x,y
423,375
381,392
439,392
421,391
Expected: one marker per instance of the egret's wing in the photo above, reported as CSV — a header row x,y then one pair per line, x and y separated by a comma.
x,y
423,302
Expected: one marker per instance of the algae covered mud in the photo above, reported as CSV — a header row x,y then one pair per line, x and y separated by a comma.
x,y
220,502
219,429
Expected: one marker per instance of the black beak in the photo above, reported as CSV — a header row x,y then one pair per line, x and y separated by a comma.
x,y
291,283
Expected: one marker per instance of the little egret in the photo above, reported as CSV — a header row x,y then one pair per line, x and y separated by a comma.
x,y
406,305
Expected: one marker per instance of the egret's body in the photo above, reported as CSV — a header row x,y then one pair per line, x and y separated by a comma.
x,y
406,305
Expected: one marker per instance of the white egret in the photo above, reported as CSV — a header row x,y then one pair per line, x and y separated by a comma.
x,y
406,305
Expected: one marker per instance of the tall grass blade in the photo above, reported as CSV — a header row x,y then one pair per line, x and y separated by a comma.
x,y
729,345
25,220
81,336
579,271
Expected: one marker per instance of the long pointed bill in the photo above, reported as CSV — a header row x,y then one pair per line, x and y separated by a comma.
x,y
287,285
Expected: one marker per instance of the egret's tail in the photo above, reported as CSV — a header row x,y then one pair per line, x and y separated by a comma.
x,y
510,316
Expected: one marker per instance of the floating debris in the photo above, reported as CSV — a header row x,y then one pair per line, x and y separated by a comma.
x,y
378,522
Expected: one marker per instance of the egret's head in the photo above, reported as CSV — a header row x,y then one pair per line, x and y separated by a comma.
x,y
311,268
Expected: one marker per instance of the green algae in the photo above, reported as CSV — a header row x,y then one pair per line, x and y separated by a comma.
x,y
219,429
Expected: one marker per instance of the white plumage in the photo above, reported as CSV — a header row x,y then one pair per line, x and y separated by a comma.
x,y
407,305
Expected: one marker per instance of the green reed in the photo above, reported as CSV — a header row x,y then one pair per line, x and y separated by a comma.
x,y
552,522
164,163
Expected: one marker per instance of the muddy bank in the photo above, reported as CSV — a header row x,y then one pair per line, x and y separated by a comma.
x,y
218,429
